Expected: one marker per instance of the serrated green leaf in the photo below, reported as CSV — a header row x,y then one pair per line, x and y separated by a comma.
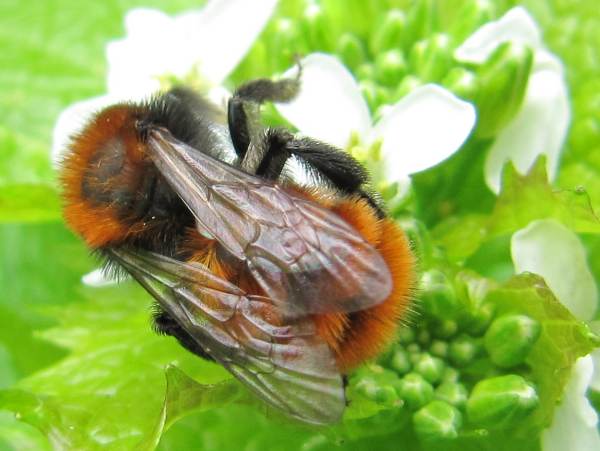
x,y
524,198
109,391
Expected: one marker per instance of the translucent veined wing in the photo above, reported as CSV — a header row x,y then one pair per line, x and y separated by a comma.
x,y
282,360
305,257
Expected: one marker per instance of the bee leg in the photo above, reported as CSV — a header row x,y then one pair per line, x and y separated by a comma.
x,y
335,168
243,108
164,324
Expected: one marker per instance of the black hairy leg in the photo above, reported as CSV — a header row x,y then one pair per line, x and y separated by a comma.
x,y
243,108
164,324
327,164
264,152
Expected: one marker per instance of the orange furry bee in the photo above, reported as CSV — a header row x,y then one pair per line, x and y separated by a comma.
x,y
289,287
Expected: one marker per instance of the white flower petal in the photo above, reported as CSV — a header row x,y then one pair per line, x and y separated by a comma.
x,y
330,105
516,25
97,278
595,383
548,248
423,129
72,120
153,47
146,22
574,423
539,127
226,31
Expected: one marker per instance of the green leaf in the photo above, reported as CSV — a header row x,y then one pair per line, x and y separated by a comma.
x,y
184,396
523,198
110,390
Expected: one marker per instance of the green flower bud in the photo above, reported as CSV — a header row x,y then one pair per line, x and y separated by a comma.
x,y
450,375
317,30
413,348
437,421
503,82
351,50
408,84
370,92
423,337
390,67
453,393
422,20
463,350
386,395
473,14
501,402
400,361
431,368
480,319
415,390
445,328
406,335
510,338
439,348
389,34
365,71
461,82
290,40
431,58
438,297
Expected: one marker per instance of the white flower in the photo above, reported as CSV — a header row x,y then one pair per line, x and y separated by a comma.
x,y
208,43
542,122
423,129
548,248
574,426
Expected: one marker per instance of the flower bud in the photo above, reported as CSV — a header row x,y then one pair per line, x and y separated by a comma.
x,y
453,393
422,20
438,420
431,368
415,390
406,335
445,328
316,28
400,361
503,81
439,348
389,34
461,82
450,375
510,338
501,402
438,297
390,67
463,350
473,14
351,50
408,84
431,58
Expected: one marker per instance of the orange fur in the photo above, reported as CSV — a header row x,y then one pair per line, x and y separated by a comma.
x,y
99,225
361,336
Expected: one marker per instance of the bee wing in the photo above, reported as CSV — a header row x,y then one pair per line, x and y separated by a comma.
x,y
283,361
305,257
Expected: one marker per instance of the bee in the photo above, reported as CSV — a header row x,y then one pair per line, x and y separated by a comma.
x,y
289,286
